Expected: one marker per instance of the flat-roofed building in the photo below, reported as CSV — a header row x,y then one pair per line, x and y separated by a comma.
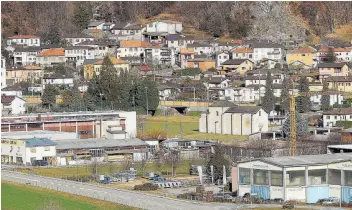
x,y
305,178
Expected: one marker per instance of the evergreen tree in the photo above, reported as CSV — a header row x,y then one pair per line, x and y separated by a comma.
x,y
303,102
82,15
108,80
49,95
146,90
285,95
330,57
218,160
325,99
301,125
91,97
268,101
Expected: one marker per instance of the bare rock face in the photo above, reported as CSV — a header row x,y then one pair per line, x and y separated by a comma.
x,y
272,21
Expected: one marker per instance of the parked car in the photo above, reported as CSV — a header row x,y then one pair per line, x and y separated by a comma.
x,y
327,201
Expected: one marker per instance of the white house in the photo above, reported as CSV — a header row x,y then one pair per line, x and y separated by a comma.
x,y
57,80
12,105
242,53
74,39
96,25
51,57
178,41
267,50
3,72
334,99
223,117
27,151
164,26
26,56
78,54
102,47
221,58
200,49
132,48
240,95
15,90
341,114
226,47
128,32
24,40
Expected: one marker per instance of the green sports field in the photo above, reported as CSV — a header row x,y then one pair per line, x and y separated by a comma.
x,y
23,197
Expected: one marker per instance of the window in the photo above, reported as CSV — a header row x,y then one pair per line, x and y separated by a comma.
x,y
219,56
217,113
317,177
46,148
260,177
295,178
276,178
335,117
18,149
260,113
334,177
328,117
244,175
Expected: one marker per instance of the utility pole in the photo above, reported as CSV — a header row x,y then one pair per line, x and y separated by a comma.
x,y
293,121
146,96
260,96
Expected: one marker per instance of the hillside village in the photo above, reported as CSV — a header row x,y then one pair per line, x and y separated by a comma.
x,y
104,86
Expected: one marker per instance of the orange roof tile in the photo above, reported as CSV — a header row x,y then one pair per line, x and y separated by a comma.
x,y
32,67
95,30
187,50
133,43
303,50
52,52
242,50
24,37
113,61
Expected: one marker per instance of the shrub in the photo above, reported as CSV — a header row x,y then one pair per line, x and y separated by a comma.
x,y
146,187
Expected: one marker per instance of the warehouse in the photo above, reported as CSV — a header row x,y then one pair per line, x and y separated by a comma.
x,y
306,178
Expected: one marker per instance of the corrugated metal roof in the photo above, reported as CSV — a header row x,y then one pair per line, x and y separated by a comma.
x,y
97,143
37,142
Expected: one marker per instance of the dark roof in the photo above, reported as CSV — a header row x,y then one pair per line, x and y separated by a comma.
x,y
90,61
179,37
244,109
57,76
95,23
27,49
119,26
133,27
340,111
214,80
339,79
198,45
222,103
35,142
12,88
103,42
78,35
7,99
331,65
77,47
235,61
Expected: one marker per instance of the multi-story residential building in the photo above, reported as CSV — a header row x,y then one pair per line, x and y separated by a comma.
x,y
167,56
51,57
242,53
204,64
226,47
178,41
237,65
185,55
341,114
78,54
132,48
342,54
94,66
306,55
200,49
3,72
128,32
96,25
58,80
102,47
332,69
266,50
221,58
24,40
24,73
26,56
75,39
340,83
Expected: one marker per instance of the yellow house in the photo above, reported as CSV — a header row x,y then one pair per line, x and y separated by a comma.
x,y
203,63
340,83
332,69
24,73
95,65
303,55
237,65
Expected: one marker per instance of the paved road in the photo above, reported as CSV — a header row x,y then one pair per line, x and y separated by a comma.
x,y
126,197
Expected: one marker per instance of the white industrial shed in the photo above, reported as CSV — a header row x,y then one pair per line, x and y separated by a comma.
x,y
305,178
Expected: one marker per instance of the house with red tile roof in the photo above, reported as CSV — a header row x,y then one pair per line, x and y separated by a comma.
x,y
51,57
242,53
24,40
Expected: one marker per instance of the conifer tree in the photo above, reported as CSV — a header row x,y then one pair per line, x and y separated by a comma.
x,y
325,99
268,101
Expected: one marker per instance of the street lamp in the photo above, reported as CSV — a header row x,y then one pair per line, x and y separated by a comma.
x,y
146,97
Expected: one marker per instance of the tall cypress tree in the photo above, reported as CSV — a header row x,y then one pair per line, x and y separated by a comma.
x,y
303,102
268,101
325,99
285,95
108,80
330,57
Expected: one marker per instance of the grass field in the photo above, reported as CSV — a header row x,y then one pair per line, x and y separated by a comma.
x,y
190,126
24,197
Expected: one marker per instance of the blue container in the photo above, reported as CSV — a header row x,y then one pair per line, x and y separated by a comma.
x,y
261,191
347,194
317,192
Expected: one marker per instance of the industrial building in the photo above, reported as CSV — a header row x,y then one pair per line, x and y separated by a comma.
x,y
27,151
305,178
52,135
84,124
